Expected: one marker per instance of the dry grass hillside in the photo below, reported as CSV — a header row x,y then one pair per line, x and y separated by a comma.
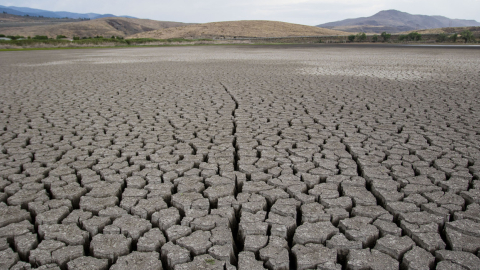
x,y
113,26
239,29
448,30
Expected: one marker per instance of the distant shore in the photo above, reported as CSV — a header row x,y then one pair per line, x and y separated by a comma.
x,y
107,45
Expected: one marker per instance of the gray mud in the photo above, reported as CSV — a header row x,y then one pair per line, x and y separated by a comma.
x,y
258,157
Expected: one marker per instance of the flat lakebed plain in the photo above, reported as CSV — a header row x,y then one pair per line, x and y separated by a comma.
x,y
240,157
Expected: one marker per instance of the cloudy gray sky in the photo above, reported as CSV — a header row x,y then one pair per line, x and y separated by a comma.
x,y
309,12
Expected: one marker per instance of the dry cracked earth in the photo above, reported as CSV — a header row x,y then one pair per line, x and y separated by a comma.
x,y
273,157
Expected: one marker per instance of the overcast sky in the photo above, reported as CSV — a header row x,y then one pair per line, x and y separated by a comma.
x,y
309,12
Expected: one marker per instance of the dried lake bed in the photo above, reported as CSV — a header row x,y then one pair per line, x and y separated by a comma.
x,y
240,157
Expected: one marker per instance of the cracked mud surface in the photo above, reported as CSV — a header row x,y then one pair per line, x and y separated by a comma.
x,y
240,158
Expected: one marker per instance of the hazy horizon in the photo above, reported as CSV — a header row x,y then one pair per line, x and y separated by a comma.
x,y
293,11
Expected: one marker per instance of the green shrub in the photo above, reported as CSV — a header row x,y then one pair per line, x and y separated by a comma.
x,y
113,37
76,38
37,37
98,41
375,38
30,42
454,37
386,36
442,37
467,36
361,37
15,37
2,35
414,36
61,36
351,38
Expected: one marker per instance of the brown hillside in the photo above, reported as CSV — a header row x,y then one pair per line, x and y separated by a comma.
x,y
112,26
239,29
447,30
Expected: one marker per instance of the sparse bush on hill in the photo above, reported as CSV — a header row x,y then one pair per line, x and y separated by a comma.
x,y
351,38
375,38
361,37
442,37
467,36
386,36
61,36
76,38
2,35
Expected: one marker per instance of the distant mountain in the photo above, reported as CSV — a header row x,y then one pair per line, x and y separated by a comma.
x,y
395,21
22,11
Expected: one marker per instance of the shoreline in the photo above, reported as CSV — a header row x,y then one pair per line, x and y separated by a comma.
x,y
187,44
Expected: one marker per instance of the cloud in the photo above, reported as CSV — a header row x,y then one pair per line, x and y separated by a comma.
x,y
309,12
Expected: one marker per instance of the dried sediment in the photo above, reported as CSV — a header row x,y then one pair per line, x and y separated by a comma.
x,y
240,157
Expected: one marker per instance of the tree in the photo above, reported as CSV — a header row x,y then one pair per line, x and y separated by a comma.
x,y
15,37
351,38
414,36
375,38
361,37
385,36
37,37
467,36
454,37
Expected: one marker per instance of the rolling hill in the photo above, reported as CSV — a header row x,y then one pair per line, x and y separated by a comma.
x,y
448,30
107,27
22,11
395,21
238,29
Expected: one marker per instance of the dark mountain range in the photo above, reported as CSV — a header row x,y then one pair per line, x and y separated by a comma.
x,y
395,21
23,11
